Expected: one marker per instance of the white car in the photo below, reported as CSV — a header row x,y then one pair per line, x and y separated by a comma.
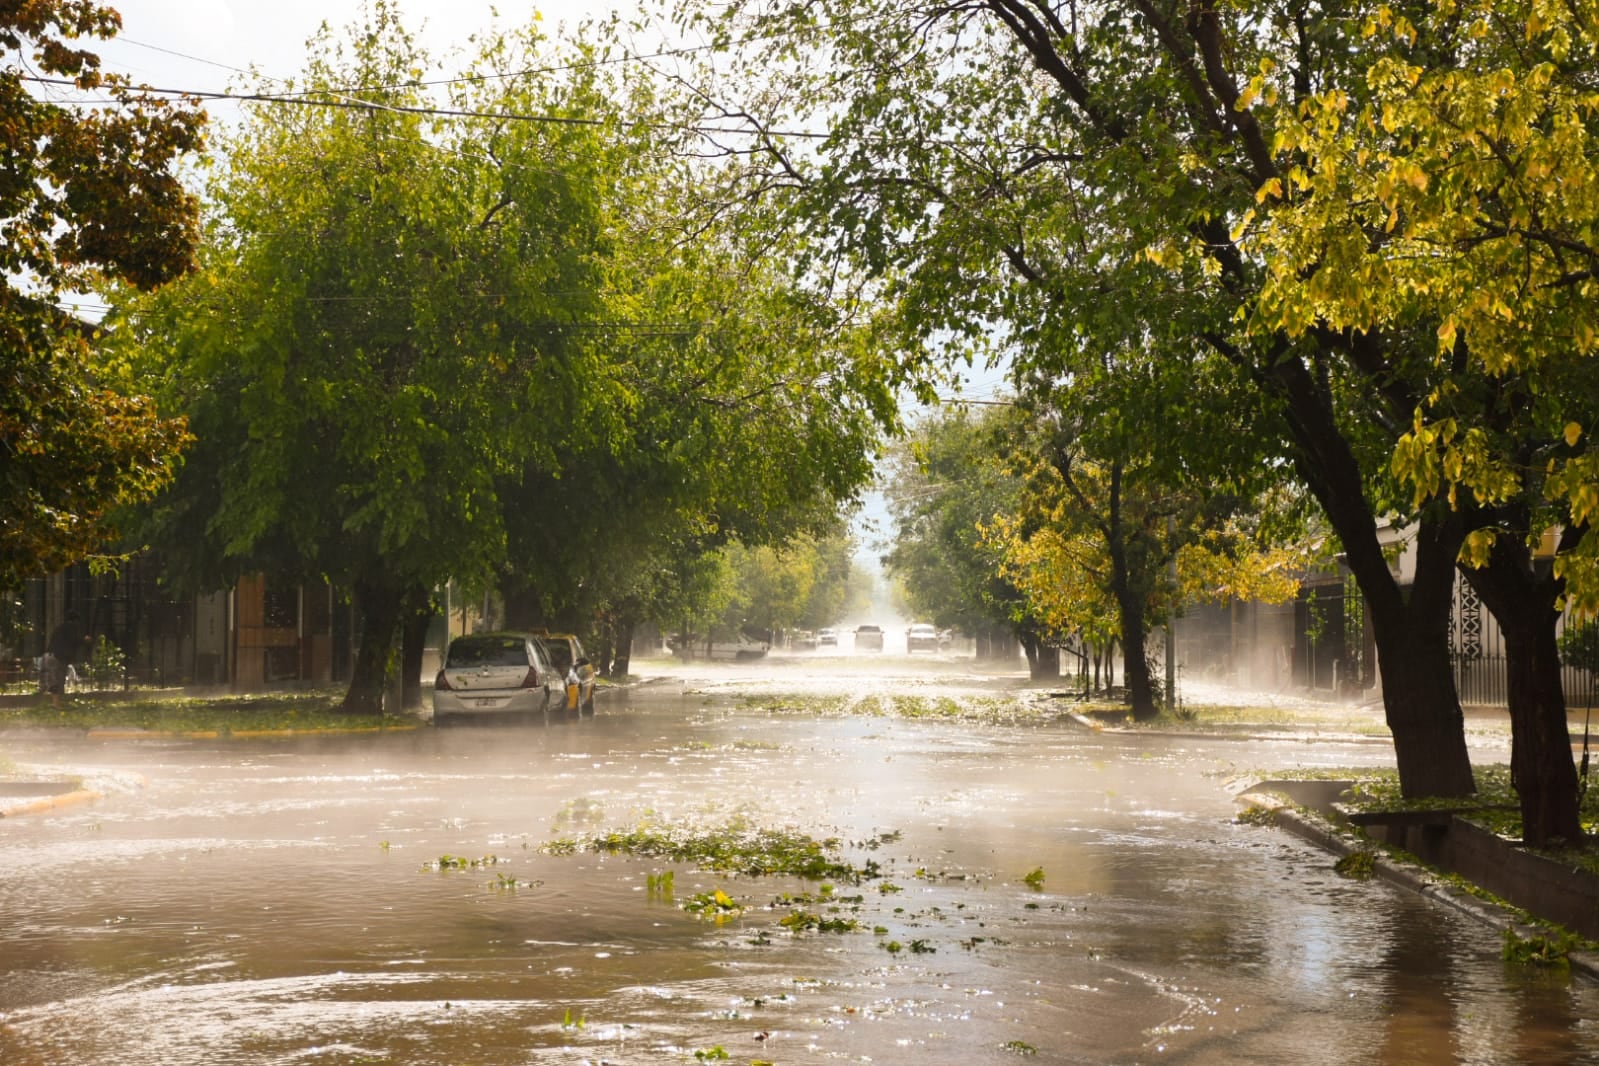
x,y
868,638
921,637
739,649
827,638
492,674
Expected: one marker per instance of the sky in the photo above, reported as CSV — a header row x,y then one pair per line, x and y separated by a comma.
x,y
221,36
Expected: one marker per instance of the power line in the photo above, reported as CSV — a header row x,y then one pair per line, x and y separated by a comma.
x,y
960,401
433,112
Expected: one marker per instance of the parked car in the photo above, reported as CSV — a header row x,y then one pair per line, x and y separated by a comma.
x,y
827,638
921,637
802,640
868,638
579,678
494,673
740,647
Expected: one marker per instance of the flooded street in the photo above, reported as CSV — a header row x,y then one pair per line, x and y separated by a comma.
x,y
394,898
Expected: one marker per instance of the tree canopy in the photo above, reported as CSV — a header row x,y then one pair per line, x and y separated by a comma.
x,y
489,348
89,195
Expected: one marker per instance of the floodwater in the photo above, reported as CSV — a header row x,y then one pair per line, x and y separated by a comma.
x,y
283,901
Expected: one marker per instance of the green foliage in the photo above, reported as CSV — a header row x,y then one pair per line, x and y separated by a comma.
x,y
1579,645
660,886
1257,815
462,862
88,195
107,664
734,849
1357,865
1537,950
945,483
1035,878
238,716
715,906
801,921
369,343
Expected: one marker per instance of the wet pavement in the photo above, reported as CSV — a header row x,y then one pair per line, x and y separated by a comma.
x,y
391,899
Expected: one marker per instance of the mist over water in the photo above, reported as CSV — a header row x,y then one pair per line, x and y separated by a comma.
x,y
285,901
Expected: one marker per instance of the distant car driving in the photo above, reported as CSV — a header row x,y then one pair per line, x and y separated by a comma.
x,y
868,638
494,673
827,638
921,637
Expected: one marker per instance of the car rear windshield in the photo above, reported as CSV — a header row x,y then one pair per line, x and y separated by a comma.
x,y
867,629
488,651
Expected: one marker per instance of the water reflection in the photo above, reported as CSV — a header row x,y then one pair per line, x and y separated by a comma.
x,y
284,902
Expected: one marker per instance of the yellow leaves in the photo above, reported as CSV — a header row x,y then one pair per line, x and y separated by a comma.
x,y
1573,434
1211,571
1583,499
1386,20
1270,189
1167,254
1255,90
1475,551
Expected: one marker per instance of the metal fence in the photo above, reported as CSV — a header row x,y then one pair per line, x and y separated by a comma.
x,y
1477,652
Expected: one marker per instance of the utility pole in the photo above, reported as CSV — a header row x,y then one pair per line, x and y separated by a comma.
x,y
1171,616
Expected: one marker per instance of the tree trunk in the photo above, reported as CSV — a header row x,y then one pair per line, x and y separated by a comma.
x,y
418,616
380,604
1134,623
1541,765
523,607
622,647
1411,629
1043,661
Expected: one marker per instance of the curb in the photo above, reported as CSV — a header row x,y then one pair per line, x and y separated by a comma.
x,y
1317,831
1211,734
245,734
50,803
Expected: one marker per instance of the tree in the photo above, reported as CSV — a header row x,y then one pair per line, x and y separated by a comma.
x,y
86,195
946,483
380,331
742,408
984,159
473,349
1452,198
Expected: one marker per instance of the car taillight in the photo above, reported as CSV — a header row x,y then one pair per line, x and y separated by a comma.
x,y
441,682
532,678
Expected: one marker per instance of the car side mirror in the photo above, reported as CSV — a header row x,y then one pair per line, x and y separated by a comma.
x,y
581,662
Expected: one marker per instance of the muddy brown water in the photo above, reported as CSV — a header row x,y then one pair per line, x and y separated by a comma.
x,y
278,901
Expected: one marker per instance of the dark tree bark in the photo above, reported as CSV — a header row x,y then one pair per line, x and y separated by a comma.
x,y
418,613
621,655
1043,660
1542,769
1418,688
1411,627
380,606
